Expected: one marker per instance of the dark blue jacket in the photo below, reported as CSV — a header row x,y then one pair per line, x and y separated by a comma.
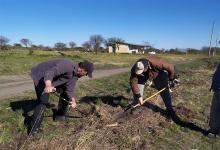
x,y
216,79
59,71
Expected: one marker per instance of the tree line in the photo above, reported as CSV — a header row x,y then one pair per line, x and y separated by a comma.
x,y
97,43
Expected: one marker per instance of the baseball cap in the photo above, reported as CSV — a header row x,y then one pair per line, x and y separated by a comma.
x,y
88,66
139,67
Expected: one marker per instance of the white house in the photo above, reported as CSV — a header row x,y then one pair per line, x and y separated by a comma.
x,y
121,47
152,53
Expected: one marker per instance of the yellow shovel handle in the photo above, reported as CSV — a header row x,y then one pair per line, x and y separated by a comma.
x,y
150,97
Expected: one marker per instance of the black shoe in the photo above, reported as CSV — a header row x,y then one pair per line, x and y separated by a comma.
x,y
212,134
60,118
36,133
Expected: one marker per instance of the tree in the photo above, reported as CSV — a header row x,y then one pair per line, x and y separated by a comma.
x,y
96,41
87,45
17,45
175,51
115,42
205,50
72,44
60,45
193,51
3,42
33,46
25,42
147,44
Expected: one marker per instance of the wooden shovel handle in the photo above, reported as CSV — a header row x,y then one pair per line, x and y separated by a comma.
x,y
150,97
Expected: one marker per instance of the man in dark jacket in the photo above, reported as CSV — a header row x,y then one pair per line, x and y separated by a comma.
x,y
214,122
156,70
60,75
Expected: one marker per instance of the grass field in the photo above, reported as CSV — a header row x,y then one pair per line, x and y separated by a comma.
x,y
20,62
101,101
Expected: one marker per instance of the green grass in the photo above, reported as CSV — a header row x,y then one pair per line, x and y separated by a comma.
x,y
193,94
88,133
20,62
199,63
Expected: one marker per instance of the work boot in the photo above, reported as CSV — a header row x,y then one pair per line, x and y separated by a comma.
x,y
60,115
213,134
37,133
60,118
61,112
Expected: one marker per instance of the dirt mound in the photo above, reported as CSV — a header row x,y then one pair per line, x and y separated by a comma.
x,y
108,113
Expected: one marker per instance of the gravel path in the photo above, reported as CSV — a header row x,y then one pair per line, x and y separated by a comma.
x,y
14,85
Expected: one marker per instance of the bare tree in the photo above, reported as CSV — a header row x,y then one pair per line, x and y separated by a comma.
x,y
25,42
87,45
3,41
17,45
60,45
148,44
96,41
115,42
72,44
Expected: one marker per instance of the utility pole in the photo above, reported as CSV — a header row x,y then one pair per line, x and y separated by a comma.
x,y
210,44
216,45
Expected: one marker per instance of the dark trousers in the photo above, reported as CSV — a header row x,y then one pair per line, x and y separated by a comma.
x,y
39,110
160,82
214,122
43,100
62,105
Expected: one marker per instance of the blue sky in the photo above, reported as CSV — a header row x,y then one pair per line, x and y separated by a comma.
x,y
163,23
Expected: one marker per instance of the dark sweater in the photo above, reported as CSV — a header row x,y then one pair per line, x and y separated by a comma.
x,y
59,71
216,79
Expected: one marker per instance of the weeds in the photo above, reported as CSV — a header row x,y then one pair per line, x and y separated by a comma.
x,y
146,128
16,62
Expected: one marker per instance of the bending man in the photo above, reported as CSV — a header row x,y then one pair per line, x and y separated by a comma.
x,y
156,70
60,75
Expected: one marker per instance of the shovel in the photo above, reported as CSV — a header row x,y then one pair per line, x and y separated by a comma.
x,y
56,94
131,107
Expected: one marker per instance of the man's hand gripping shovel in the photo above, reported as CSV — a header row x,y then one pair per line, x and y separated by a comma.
x,y
131,107
69,103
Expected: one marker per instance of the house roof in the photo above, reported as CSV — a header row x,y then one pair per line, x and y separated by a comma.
x,y
129,44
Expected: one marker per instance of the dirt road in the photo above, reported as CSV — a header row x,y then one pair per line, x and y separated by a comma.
x,y
16,85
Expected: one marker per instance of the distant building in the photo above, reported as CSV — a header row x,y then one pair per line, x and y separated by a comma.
x,y
152,53
121,47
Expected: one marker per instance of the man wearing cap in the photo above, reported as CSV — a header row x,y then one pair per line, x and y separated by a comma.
x,y
156,70
56,75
